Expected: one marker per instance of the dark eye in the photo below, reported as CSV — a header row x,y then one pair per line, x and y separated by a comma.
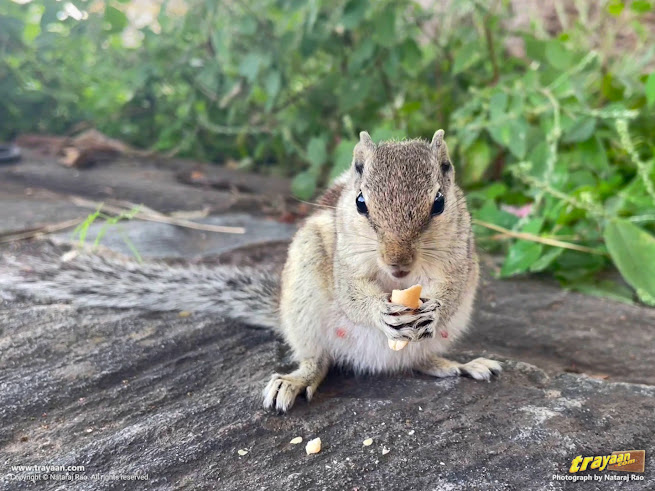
x,y
361,204
438,205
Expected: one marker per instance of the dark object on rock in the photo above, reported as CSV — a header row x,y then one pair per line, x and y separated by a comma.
x,y
9,153
90,147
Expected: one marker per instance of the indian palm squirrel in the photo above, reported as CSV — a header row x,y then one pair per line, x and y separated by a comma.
x,y
395,218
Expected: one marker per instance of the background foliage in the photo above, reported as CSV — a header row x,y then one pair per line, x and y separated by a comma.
x,y
553,141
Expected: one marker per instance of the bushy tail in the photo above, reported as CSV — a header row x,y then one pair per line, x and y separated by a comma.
x,y
98,280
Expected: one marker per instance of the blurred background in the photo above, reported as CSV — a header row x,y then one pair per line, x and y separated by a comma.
x,y
548,107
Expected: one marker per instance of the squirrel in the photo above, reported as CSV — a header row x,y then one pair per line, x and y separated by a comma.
x,y
395,218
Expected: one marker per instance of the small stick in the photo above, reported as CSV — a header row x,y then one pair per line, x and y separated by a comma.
x,y
33,232
158,217
536,238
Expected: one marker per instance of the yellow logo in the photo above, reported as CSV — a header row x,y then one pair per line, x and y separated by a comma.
x,y
626,461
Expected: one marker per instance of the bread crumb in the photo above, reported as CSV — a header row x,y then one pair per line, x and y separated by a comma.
x,y
397,344
296,440
242,452
313,446
368,442
69,256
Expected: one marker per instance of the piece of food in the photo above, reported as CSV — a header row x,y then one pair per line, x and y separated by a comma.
x,y
242,452
368,442
397,344
411,297
296,440
313,446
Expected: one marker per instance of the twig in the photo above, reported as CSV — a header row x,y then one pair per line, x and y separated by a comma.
x,y
230,130
33,232
490,46
158,217
536,238
503,236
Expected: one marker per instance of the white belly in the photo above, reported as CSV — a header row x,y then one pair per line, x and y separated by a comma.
x,y
366,349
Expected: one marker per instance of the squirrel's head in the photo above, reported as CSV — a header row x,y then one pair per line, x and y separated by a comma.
x,y
404,198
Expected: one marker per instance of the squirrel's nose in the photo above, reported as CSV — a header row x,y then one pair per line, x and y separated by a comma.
x,y
398,257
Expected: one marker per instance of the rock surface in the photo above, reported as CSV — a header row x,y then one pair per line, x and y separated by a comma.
x,y
176,397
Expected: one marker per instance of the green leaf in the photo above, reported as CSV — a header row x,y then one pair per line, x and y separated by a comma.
x,y
342,157
411,57
385,26
31,31
272,84
353,92
546,260
466,57
116,19
385,132
520,257
489,192
592,154
247,25
539,159
558,55
249,66
640,6
492,214
581,130
605,289
523,253
518,142
361,55
650,89
615,7
353,13
477,161
317,152
511,134
304,185
498,105
410,107
633,252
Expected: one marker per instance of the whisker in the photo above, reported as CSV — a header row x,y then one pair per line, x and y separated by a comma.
x,y
318,205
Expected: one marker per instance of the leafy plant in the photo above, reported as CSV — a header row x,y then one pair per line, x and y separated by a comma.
x,y
110,222
553,140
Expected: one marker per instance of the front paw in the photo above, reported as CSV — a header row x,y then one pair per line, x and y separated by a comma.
x,y
281,392
400,322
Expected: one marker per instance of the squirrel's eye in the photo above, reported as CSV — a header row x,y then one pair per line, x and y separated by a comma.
x,y
438,205
361,204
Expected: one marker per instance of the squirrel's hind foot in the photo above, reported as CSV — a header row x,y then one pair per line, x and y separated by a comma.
x,y
479,369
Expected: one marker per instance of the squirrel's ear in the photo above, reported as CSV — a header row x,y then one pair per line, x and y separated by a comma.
x,y
437,139
441,149
362,150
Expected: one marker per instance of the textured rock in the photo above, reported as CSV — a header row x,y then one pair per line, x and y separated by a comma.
x,y
177,397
